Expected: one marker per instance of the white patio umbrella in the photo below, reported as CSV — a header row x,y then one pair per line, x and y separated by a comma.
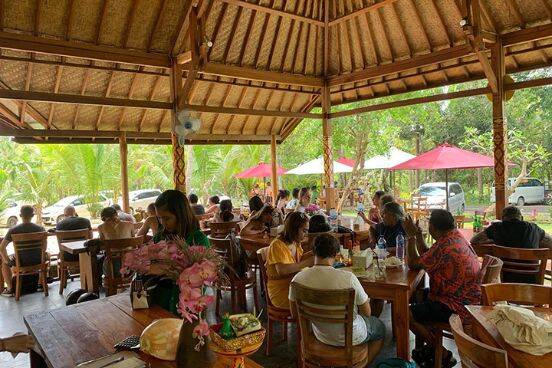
x,y
316,166
394,157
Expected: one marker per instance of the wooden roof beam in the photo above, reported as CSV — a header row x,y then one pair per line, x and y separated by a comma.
x,y
251,112
272,11
367,9
472,26
527,35
231,71
403,65
82,100
21,42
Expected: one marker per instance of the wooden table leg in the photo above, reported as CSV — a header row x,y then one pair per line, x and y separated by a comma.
x,y
89,272
401,325
36,360
84,270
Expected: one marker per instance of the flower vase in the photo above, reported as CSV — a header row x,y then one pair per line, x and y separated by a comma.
x,y
186,354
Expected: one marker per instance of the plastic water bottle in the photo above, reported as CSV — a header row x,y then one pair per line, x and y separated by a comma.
x,y
400,246
382,244
333,219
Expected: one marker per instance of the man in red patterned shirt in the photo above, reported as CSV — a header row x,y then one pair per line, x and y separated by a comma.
x,y
453,269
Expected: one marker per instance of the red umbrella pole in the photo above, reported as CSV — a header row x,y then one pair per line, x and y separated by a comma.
x,y
447,188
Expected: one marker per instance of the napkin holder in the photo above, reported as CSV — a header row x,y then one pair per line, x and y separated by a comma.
x,y
141,292
362,260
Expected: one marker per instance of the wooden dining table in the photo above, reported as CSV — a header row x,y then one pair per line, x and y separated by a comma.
x,y
81,332
485,331
398,285
88,265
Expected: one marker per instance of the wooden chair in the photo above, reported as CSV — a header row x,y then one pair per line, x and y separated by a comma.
x,y
237,286
69,263
473,353
459,221
114,252
274,314
533,261
138,225
527,294
222,229
330,307
26,247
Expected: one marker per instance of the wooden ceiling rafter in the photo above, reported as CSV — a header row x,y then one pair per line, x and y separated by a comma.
x,y
272,11
372,7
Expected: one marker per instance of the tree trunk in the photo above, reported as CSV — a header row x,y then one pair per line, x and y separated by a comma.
x,y
38,213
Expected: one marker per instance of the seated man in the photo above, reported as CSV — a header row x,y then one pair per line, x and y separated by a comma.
x,y
112,226
123,215
323,276
513,232
72,222
26,226
197,208
453,270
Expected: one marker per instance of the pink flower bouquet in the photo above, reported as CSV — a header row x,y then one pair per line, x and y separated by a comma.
x,y
193,268
312,209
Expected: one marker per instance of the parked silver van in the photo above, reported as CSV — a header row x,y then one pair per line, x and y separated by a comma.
x,y
529,191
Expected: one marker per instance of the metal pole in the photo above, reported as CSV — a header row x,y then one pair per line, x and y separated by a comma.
x,y
447,188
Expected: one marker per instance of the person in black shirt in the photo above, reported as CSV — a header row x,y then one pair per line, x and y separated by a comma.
x,y
318,224
72,222
514,232
392,216
26,226
197,209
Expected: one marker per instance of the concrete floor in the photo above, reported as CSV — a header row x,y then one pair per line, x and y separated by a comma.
x,y
282,356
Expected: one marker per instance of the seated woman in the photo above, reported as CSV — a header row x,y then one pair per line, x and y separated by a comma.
x,y
177,221
285,258
255,204
318,224
304,200
214,203
390,226
151,222
258,222
225,214
112,227
374,215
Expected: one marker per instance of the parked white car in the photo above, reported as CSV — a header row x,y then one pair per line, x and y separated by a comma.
x,y
10,216
530,190
436,196
140,199
53,214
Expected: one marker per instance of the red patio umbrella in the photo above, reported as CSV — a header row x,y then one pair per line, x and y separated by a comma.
x,y
446,157
346,161
261,170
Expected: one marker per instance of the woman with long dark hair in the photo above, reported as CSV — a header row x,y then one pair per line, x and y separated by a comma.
x,y
285,258
177,219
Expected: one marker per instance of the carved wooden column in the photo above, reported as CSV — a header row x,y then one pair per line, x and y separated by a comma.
x,y
274,163
123,152
179,159
326,123
499,128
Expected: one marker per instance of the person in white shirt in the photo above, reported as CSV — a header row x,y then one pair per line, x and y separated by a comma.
x,y
294,201
323,276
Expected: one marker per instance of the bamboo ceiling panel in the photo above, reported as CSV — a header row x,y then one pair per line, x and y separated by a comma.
x,y
104,65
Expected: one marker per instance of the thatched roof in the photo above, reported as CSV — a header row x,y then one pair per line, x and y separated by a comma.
x,y
97,67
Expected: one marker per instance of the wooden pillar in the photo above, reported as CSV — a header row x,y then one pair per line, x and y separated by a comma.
x,y
123,151
179,159
274,163
179,165
499,128
326,123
